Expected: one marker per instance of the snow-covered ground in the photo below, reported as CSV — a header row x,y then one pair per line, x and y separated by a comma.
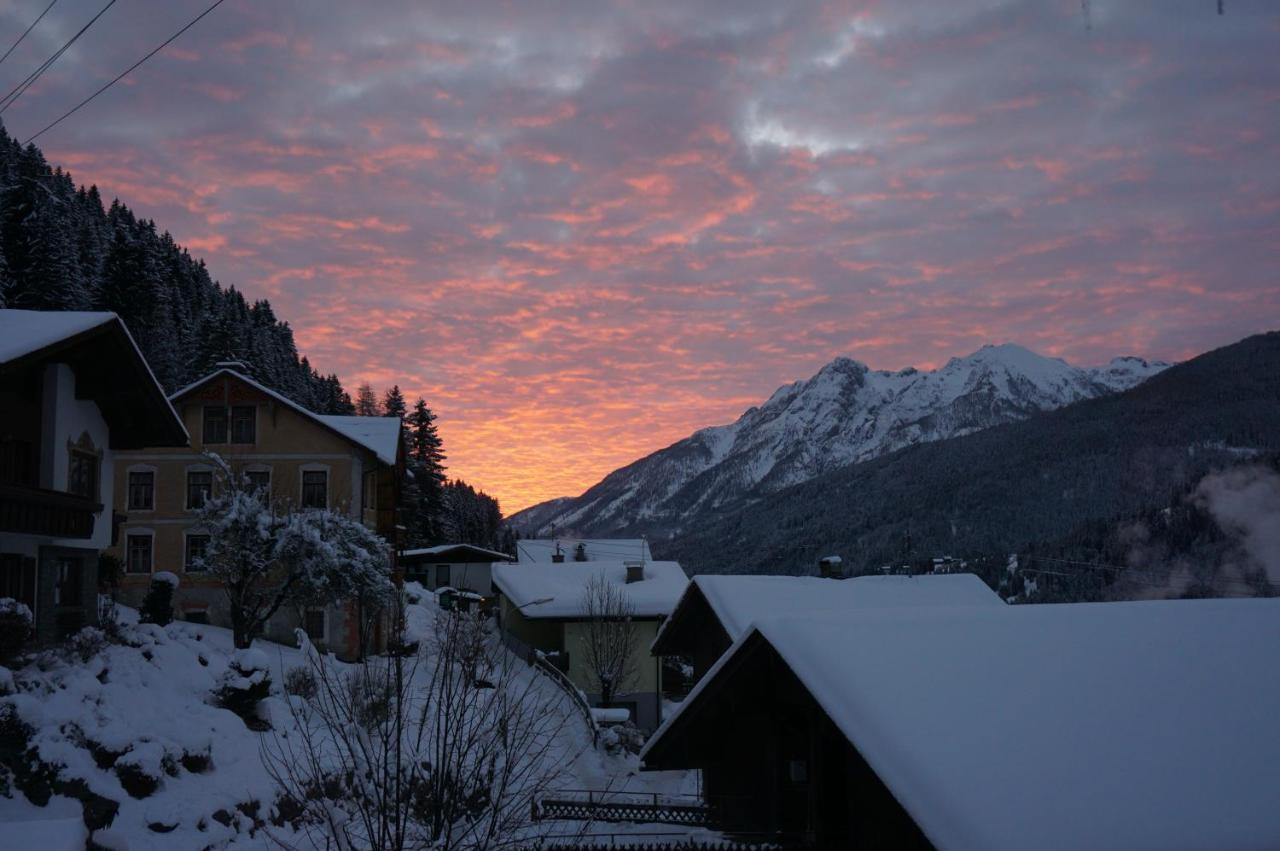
x,y
149,705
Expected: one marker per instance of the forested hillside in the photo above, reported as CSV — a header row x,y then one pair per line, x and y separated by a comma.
x,y
62,249
1003,488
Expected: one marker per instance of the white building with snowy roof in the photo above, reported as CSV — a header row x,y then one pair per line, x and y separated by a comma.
x,y
1143,725
543,609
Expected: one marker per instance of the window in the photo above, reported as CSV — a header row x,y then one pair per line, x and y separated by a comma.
x,y
259,480
142,490
313,621
66,590
369,494
315,489
244,424
196,547
442,576
215,424
199,487
138,553
82,474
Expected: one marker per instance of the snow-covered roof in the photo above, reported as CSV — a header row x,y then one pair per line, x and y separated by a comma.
x,y
564,584
1088,725
739,601
380,435
472,549
27,331
540,550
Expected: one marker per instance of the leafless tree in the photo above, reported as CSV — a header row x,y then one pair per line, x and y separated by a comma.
x,y
446,749
609,637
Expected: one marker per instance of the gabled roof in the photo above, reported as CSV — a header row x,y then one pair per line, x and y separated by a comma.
x,y
469,550
380,435
108,365
540,550
738,601
1088,725
562,586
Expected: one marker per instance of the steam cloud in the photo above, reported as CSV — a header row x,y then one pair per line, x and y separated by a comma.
x,y
1245,502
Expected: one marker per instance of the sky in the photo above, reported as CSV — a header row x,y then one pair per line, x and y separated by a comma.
x,y
582,230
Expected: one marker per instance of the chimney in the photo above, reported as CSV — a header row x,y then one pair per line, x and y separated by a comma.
x,y
830,567
635,571
558,556
580,552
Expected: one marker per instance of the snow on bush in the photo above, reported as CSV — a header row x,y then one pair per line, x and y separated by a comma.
x,y
168,577
245,682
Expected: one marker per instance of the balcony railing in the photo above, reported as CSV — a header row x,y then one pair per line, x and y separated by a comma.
x,y
35,511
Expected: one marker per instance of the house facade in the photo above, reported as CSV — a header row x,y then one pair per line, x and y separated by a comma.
x,y
75,392
301,459
542,608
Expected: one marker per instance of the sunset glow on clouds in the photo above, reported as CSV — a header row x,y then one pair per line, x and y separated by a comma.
x,y
582,231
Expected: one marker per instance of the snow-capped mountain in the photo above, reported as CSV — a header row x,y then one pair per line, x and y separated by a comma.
x,y
845,414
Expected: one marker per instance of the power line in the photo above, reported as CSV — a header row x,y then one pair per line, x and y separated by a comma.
x,y
126,72
27,31
16,92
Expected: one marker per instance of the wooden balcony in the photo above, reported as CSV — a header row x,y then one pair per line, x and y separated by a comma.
x,y
28,510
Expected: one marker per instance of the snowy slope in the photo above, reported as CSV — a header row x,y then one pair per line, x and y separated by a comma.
x,y
845,414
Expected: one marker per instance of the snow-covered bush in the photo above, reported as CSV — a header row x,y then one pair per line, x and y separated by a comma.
x,y
300,682
621,738
266,559
142,768
157,606
88,643
245,683
15,628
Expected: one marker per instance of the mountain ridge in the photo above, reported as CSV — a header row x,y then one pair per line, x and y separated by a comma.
x,y
843,414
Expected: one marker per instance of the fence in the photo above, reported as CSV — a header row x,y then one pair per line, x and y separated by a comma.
x,y
637,807
651,842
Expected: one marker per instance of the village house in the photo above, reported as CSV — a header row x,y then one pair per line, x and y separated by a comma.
x,y
1086,725
464,567
560,550
716,610
74,392
302,459
543,607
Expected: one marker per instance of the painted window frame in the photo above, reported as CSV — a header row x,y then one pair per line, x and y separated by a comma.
x,y
186,491
187,535
324,621
205,439
128,552
328,484
369,490
234,439
128,486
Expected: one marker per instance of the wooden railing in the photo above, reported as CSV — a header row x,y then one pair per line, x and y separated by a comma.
x,y
35,511
540,664
635,807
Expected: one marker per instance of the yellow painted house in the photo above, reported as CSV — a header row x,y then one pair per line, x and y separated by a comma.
x,y
302,459
542,607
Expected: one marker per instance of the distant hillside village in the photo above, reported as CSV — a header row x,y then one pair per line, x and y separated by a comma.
x,y
911,709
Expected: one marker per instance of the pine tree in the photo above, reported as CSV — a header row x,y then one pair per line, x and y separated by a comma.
x,y
393,403
366,402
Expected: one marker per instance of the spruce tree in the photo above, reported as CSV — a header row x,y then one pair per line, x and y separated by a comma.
x,y
393,403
